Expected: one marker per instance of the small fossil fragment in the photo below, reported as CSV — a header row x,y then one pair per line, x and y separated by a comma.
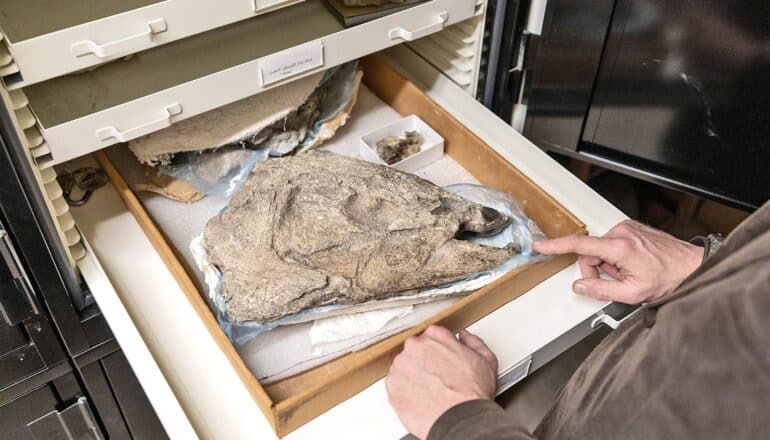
x,y
321,228
393,149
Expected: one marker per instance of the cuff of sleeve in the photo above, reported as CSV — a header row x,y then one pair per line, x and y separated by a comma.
x,y
710,244
463,420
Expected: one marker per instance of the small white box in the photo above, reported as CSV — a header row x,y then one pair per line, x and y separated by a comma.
x,y
431,150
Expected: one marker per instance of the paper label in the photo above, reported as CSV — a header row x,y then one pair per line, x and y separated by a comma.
x,y
291,62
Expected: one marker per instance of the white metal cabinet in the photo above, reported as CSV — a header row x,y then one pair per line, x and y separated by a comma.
x,y
49,38
203,380
130,98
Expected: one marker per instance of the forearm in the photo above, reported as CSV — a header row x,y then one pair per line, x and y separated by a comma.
x,y
477,419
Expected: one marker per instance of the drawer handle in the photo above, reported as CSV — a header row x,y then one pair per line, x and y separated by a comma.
x,y
124,45
17,299
407,35
106,133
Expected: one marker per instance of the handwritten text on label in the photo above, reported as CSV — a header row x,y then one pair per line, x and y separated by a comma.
x,y
291,62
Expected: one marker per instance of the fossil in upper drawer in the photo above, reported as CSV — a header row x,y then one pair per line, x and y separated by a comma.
x,y
301,113
321,228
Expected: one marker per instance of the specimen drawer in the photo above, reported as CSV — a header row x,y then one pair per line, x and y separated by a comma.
x,y
129,98
50,38
289,403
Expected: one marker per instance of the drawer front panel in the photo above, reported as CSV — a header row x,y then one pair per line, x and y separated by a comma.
x,y
143,115
136,353
95,42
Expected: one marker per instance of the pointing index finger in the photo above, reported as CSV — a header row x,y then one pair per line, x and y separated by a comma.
x,y
604,248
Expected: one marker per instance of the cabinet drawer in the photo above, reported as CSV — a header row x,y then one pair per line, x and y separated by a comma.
x,y
289,403
161,324
49,38
129,98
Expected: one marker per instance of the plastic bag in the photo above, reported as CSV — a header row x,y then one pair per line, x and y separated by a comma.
x,y
521,231
217,172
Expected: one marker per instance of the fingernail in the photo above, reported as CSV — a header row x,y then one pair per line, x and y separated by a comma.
x,y
579,288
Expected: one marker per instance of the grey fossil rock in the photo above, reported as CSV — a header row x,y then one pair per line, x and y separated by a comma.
x,y
393,149
321,228
284,135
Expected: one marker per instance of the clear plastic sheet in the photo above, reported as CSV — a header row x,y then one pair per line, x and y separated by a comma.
x,y
217,172
522,231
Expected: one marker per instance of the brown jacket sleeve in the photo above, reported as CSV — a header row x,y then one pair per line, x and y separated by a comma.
x,y
477,419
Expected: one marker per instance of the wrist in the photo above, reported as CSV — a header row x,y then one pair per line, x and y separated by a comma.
x,y
694,259
697,257
683,264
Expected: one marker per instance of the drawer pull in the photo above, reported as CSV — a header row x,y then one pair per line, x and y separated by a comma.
x,y
124,45
17,298
126,135
407,35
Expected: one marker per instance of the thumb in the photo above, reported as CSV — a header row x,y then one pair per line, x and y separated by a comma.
x,y
477,344
601,289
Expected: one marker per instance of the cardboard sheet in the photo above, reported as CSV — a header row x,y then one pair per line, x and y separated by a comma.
x,y
287,350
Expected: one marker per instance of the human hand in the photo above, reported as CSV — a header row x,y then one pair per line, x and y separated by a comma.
x,y
435,372
645,262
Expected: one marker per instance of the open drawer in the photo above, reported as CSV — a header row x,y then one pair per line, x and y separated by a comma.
x,y
49,38
222,399
289,403
130,98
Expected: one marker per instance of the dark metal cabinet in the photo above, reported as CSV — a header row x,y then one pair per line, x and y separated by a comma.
x,y
29,345
62,374
26,349
117,381
684,92
563,71
673,92
55,410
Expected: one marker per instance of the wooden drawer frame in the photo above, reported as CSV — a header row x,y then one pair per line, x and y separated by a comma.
x,y
294,401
